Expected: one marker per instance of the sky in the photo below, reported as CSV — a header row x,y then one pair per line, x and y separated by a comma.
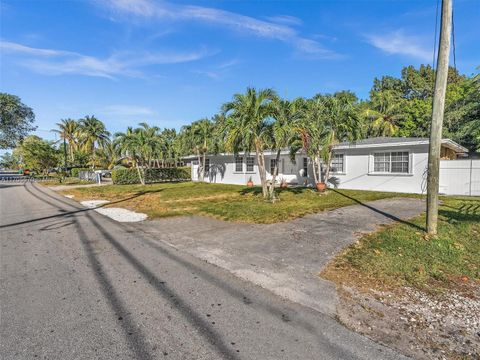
x,y
170,63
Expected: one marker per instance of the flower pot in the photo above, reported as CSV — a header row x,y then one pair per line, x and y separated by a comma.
x,y
283,185
321,186
250,183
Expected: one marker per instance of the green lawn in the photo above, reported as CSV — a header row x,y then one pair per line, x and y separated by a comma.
x,y
401,254
67,181
227,202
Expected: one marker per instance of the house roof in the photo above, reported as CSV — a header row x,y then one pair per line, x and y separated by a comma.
x,y
398,141
372,143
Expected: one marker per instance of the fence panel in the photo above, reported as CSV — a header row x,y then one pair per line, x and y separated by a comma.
x,y
460,177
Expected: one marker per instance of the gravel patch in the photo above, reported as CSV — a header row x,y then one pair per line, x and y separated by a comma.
x,y
94,203
69,196
424,326
117,214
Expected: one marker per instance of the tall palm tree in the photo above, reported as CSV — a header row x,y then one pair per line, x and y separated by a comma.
x,y
309,129
247,125
93,134
131,145
384,112
340,123
285,114
200,137
68,130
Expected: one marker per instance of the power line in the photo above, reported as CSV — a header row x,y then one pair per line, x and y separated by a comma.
x,y
453,42
435,37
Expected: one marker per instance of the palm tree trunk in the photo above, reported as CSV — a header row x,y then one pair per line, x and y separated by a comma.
x,y
315,168
271,190
140,175
261,169
201,168
327,165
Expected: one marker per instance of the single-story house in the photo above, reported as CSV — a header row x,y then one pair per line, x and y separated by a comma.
x,y
381,164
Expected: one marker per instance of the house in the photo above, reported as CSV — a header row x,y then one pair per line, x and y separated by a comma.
x,y
380,164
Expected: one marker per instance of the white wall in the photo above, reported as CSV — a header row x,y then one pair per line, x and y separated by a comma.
x,y
222,170
358,174
460,177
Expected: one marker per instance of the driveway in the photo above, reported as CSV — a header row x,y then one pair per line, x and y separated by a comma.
x,y
284,258
77,285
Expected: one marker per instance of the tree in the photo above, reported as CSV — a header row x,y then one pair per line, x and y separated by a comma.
x,y
38,154
199,139
309,128
69,131
340,123
93,134
247,125
384,112
285,114
16,120
10,161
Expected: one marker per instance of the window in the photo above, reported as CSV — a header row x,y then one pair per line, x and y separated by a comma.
x,y
391,162
305,167
250,163
207,165
238,163
337,165
273,162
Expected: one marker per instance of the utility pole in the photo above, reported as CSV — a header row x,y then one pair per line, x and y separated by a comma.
x,y
437,117
65,153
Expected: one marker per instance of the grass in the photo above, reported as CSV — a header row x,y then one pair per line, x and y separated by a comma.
x,y
66,181
401,255
226,202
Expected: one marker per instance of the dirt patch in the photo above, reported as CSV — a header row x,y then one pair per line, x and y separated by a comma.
x,y
421,325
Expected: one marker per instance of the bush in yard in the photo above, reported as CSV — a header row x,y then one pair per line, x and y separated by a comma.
x,y
130,176
76,171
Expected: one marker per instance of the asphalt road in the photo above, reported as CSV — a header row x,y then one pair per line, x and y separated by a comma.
x,y
77,285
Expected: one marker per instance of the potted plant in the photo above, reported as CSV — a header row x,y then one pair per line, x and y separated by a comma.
x,y
321,186
283,183
250,182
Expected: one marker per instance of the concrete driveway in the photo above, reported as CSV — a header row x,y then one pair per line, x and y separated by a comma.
x,y
284,258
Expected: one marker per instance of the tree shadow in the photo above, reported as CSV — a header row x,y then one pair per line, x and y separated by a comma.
x,y
381,212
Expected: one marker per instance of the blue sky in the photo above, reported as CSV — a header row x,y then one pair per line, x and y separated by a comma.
x,y
170,63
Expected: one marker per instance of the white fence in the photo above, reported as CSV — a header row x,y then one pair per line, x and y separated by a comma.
x,y
460,177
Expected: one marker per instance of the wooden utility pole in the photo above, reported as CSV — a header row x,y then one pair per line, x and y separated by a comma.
x,y
437,117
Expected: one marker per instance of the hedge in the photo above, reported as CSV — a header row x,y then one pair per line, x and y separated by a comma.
x,y
130,176
75,171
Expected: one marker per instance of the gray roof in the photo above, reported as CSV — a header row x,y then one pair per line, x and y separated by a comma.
x,y
383,140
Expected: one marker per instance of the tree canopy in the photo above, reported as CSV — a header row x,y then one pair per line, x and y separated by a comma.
x,y
16,120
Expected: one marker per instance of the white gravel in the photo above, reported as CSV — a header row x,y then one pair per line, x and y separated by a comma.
x,y
69,196
117,214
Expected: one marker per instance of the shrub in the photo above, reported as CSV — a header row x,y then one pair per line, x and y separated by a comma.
x,y
75,171
130,176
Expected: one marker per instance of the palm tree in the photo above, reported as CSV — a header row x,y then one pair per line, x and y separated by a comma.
x,y
200,140
340,123
384,112
247,125
285,114
93,134
68,130
309,129
131,145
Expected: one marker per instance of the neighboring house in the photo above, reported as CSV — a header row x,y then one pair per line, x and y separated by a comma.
x,y
381,164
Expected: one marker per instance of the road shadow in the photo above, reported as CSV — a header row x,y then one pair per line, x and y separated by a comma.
x,y
211,335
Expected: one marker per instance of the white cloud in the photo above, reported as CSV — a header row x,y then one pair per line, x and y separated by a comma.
x,y
127,110
285,19
277,29
399,43
59,62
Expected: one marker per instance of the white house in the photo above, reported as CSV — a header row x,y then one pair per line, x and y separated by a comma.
x,y
381,164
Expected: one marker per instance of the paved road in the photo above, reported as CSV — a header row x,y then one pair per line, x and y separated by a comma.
x,y
76,285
